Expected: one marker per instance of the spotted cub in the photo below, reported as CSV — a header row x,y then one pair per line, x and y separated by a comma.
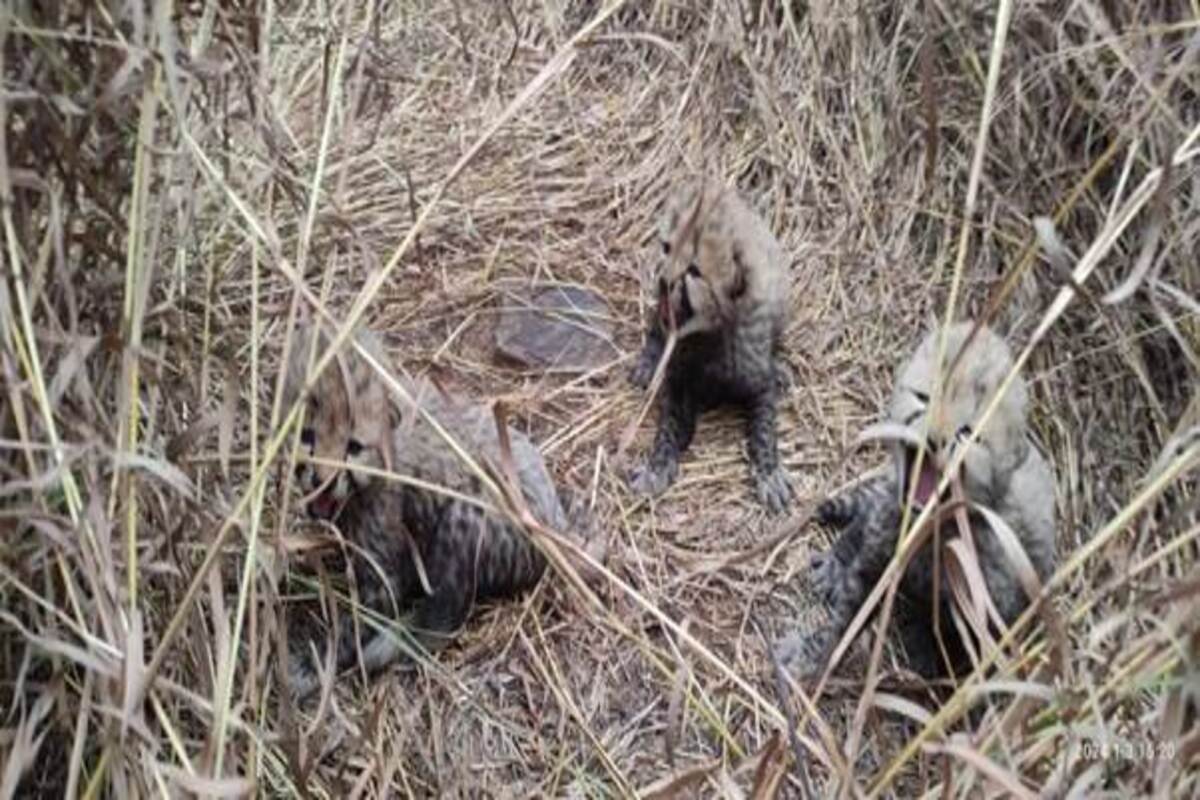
x,y
722,285
423,539
1001,471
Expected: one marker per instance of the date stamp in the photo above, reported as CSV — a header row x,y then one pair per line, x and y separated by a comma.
x,y
1123,748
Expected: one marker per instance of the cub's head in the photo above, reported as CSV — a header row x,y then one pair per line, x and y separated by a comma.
x,y
970,380
701,276
348,418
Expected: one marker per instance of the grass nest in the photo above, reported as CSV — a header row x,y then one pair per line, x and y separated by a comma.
x,y
176,185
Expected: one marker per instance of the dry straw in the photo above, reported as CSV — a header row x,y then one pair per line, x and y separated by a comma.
x,y
178,185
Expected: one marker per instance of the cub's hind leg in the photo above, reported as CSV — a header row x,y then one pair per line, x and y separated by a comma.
x,y
459,544
478,556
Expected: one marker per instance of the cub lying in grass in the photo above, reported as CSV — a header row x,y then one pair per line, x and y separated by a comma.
x,y
426,540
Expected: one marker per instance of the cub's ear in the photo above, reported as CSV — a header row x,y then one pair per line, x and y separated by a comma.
x,y
384,436
393,416
737,285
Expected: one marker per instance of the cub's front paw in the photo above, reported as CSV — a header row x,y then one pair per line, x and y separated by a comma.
x,y
774,489
652,480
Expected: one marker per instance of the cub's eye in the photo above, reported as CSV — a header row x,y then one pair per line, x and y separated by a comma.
x,y
307,437
693,271
964,432
666,248
921,396
353,448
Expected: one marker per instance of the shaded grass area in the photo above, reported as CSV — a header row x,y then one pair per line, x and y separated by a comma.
x,y
176,186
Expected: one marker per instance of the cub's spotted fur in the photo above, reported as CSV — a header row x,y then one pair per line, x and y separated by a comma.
x,y
723,284
467,552
1002,470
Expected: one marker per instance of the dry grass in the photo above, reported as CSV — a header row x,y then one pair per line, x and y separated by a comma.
x,y
174,189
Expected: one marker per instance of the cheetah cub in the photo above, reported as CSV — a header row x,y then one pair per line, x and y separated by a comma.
x,y
723,285
423,542
1001,470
